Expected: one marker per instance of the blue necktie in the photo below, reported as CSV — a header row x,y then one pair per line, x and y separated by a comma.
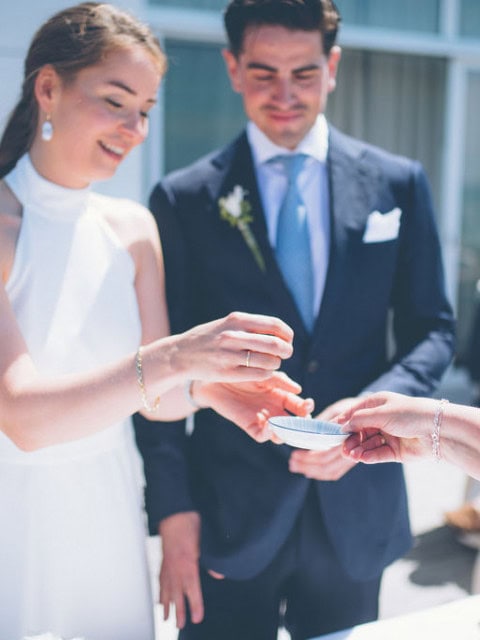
x,y
293,241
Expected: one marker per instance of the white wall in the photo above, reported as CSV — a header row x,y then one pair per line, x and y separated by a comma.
x,y
19,20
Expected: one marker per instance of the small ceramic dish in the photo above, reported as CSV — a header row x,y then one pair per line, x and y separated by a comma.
x,y
307,433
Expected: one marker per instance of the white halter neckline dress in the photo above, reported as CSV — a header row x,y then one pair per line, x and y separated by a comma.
x,y
72,538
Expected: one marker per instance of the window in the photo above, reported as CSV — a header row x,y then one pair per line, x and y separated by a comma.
x,y
408,15
470,18
394,101
201,110
192,4
468,294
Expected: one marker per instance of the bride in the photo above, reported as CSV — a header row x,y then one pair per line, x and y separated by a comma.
x,y
82,288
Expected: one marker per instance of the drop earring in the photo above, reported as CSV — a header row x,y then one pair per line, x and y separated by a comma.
x,y
47,130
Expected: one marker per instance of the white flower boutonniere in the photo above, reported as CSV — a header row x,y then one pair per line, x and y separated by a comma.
x,y
235,209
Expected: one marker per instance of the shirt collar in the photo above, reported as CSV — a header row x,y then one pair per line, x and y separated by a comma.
x,y
314,144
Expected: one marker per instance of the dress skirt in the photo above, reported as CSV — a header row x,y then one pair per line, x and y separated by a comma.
x,y
76,530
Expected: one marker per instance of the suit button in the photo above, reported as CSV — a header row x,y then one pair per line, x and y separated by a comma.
x,y
312,366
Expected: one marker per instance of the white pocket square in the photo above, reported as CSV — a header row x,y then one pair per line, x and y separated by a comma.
x,y
382,226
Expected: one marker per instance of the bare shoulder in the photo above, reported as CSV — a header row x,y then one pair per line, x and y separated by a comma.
x,y
10,222
130,221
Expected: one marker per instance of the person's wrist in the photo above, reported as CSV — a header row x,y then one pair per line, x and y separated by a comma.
x,y
436,433
176,522
193,393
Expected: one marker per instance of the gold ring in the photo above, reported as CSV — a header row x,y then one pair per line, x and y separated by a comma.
x,y
247,360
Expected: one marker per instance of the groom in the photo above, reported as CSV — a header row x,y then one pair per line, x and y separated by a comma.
x,y
246,531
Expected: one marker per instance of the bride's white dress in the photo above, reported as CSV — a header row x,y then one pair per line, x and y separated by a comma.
x,y
72,532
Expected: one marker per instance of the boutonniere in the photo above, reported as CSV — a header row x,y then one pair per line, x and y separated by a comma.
x,y
235,209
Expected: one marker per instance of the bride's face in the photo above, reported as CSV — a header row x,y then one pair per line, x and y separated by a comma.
x,y
99,118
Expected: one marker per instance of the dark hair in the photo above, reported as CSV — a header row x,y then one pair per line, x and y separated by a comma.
x,y
305,15
71,40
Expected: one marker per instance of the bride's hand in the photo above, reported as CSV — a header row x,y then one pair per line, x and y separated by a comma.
x,y
250,404
241,346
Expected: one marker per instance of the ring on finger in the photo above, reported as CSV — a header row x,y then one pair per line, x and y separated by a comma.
x,y
247,358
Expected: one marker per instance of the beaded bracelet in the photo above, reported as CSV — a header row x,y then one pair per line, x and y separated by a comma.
x,y
187,390
437,423
139,369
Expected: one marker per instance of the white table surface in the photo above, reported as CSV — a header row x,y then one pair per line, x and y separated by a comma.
x,y
459,620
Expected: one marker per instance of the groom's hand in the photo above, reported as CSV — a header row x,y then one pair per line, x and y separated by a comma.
x,y
320,465
179,573
328,465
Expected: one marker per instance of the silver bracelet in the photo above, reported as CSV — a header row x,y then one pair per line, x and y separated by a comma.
x,y
187,390
139,369
437,423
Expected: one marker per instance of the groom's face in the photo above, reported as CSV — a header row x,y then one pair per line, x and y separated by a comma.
x,y
284,78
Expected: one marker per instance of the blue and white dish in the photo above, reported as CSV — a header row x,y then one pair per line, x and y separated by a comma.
x,y
307,433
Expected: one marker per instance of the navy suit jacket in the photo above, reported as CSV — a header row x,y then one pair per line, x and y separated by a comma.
x,y
246,495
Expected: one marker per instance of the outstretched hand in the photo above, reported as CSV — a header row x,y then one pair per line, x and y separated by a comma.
x,y
387,427
250,404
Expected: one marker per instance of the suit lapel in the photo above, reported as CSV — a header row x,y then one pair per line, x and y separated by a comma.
x,y
354,188
235,167
241,172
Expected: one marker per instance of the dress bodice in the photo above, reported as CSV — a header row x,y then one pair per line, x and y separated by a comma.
x,y
72,282
65,568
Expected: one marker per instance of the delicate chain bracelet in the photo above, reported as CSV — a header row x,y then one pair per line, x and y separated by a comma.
x,y
187,390
437,423
139,369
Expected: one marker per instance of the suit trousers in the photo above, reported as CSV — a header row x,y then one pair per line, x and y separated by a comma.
x,y
304,588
